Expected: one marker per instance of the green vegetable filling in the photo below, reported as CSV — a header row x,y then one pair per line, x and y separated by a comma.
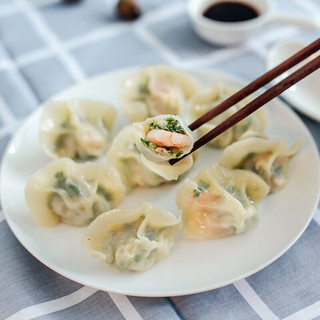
x,y
70,188
147,143
153,234
143,88
172,125
122,234
153,126
233,191
67,122
201,186
83,157
103,204
179,154
250,163
237,194
277,171
61,140
104,193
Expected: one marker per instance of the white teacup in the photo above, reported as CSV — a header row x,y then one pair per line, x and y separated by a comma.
x,y
229,33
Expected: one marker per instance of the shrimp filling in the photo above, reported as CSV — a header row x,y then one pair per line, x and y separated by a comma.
x,y
163,138
167,137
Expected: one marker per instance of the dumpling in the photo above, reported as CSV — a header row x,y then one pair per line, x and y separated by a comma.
x,y
77,129
73,193
269,158
220,202
209,97
132,238
167,171
126,158
163,137
156,90
136,170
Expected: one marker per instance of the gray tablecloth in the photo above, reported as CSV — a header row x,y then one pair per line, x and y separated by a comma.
x,y
46,46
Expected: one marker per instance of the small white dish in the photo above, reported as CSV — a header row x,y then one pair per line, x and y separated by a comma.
x,y
231,33
305,95
192,266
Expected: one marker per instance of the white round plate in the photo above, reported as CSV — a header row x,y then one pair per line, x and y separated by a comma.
x,y
191,266
305,95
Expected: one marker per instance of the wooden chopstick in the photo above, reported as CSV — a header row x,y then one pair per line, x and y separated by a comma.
x,y
258,102
257,84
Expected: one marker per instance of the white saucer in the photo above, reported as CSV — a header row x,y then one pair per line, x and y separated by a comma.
x,y
305,95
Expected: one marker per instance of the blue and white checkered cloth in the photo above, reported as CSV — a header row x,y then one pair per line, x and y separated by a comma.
x,y
46,46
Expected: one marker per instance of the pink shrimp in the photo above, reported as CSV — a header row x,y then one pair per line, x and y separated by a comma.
x,y
164,138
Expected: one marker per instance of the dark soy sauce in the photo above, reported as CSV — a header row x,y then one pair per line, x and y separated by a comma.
x,y
228,11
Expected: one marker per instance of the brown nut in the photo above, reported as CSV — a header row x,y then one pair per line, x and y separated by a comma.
x,y
128,10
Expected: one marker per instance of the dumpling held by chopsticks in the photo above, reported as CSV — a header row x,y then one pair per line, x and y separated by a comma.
x,y
163,138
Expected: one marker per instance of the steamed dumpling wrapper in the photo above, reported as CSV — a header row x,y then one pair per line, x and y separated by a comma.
x,y
135,169
220,202
126,158
78,129
163,138
73,193
132,238
209,97
269,158
156,90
